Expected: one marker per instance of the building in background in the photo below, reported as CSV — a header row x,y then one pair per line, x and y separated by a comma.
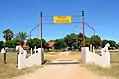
x,y
51,45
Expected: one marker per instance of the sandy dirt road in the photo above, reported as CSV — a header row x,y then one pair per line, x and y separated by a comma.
x,y
61,71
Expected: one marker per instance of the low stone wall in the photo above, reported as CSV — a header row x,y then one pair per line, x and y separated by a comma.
x,y
34,59
92,58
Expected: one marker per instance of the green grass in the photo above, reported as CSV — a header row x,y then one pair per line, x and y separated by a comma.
x,y
10,70
113,71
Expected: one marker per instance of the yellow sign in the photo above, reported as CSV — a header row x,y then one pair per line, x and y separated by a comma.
x,y
62,19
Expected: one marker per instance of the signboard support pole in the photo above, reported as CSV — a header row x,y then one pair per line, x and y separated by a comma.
x,y
84,53
41,30
83,28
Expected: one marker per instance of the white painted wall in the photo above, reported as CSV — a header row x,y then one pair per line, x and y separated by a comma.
x,y
34,59
90,57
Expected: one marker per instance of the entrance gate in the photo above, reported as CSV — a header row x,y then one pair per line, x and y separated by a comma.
x,y
64,20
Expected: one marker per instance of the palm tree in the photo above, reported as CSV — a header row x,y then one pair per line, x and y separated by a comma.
x,y
8,34
22,36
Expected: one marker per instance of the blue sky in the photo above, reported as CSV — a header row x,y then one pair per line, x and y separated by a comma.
x,y
23,15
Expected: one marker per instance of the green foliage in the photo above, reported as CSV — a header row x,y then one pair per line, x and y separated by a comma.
x,y
14,42
22,36
111,42
8,34
1,43
104,42
60,44
118,45
96,41
72,41
11,43
88,41
35,42
8,44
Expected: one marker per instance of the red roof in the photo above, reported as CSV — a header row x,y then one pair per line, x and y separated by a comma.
x,y
51,44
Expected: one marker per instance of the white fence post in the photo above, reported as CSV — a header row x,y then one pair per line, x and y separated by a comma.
x,y
93,49
31,51
35,50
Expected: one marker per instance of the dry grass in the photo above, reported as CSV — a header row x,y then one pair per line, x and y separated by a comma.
x,y
56,55
51,53
113,71
75,53
50,56
10,70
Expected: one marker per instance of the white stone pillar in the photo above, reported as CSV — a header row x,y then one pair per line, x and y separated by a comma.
x,y
85,51
106,59
21,61
41,55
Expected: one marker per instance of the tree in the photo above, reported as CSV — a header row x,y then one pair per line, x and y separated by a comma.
x,y
8,34
104,42
22,36
118,45
80,39
96,41
70,39
11,43
8,44
88,41
35,42
60,44
15,42
74,40
1,44
112,43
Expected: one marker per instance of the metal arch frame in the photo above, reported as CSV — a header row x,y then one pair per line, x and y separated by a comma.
x,y
52,23
33,29
40,27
